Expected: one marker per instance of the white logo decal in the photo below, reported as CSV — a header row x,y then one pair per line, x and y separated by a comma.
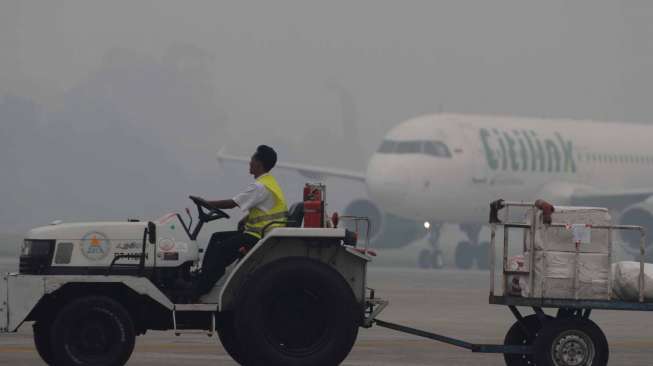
x,y
95,245
166,244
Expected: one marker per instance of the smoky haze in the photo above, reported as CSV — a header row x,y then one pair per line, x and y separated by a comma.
x,y
117,109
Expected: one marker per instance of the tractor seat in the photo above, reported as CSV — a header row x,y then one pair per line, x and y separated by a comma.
x,y
295,215
294,219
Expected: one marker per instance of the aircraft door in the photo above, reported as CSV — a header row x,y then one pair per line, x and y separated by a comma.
x,y
478,168
479,184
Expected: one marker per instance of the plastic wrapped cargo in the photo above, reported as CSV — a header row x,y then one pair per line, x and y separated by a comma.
x,y
562,239
625,285
555,276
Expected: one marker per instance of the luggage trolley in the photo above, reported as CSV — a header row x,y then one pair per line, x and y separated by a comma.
x,y
570,338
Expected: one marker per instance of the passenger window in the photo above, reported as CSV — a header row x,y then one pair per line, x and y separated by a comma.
x,y
387,147
409,147
436,148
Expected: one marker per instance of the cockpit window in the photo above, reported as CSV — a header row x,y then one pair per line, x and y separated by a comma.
x,y
409,147
387,147
436,148
431,148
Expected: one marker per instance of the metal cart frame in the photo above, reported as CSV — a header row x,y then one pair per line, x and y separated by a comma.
x,y
569,310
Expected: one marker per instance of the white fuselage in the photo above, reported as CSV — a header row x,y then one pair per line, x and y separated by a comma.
x,y
471,160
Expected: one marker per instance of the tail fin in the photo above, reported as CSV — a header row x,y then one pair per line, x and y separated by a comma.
x,y
348,118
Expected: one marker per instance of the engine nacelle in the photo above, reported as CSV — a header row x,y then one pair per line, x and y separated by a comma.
x,y
640,214
387,230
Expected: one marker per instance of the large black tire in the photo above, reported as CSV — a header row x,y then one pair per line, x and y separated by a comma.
x,y
41,331
228,337
571,342
517,336
483,255
92,330
297,312
464,256
424,259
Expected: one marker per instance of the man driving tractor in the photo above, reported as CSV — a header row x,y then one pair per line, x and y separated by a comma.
x,y
266,206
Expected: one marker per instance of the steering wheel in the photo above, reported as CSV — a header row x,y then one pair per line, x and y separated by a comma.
x,y
213,214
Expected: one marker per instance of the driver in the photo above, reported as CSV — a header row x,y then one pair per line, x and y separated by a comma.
x,y
266,206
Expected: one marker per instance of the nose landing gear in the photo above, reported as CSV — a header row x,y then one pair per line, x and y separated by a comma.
x,y
468,252
432,258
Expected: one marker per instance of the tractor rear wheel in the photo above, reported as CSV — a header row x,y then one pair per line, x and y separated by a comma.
x,y
228,337
297,312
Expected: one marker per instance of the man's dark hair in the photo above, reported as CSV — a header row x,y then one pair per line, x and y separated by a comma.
x,y
267,156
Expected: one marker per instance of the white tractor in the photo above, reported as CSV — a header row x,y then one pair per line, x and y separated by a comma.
x,y
298,297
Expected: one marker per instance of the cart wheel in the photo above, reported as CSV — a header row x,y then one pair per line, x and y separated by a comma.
x,y
517,336
464,255
424,259
571,342
482,255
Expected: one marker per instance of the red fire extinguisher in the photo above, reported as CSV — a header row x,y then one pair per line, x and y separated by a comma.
x,y
314,197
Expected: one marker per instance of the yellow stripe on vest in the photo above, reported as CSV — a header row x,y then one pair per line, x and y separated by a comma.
x,y
258,219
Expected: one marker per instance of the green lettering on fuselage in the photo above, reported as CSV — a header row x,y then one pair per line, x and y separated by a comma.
x,y
514,150
492,161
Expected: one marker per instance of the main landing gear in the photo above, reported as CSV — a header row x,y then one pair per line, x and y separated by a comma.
x,y
470,251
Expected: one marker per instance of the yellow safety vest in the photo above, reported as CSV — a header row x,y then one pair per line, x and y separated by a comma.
x,y
257,220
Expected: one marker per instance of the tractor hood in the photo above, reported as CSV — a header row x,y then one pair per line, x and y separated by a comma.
x,y
112,230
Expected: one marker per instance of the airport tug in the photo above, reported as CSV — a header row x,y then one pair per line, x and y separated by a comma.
x,y
298,297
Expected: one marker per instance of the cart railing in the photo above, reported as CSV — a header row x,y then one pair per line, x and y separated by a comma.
x,y
529,244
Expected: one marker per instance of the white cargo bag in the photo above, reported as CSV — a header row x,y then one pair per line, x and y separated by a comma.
x,y
625,285
562,239
555,275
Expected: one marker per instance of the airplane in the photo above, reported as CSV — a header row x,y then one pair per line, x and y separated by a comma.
x,y
446,168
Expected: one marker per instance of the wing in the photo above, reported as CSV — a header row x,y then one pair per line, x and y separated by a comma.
x,y
313,172
611,199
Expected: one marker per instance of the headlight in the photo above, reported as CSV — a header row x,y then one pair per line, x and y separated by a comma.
x,y
37,248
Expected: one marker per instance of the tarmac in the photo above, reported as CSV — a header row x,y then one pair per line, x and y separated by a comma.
x,y
449,302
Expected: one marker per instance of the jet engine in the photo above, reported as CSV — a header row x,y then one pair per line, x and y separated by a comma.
x,y
387,230
640,214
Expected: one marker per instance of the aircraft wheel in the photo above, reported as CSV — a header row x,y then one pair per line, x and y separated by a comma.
x,y
464,255
424,259
483,255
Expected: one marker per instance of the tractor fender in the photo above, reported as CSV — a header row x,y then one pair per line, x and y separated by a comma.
x,y
324,245
20,294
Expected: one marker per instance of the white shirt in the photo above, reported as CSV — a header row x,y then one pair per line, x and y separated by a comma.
x,y
255,195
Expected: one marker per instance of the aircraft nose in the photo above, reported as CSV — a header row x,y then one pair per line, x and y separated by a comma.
x,y
385,183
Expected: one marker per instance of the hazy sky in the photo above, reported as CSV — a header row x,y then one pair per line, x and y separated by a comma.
x,y
178,80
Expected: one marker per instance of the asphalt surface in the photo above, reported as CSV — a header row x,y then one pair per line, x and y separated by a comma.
x,y
450,302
